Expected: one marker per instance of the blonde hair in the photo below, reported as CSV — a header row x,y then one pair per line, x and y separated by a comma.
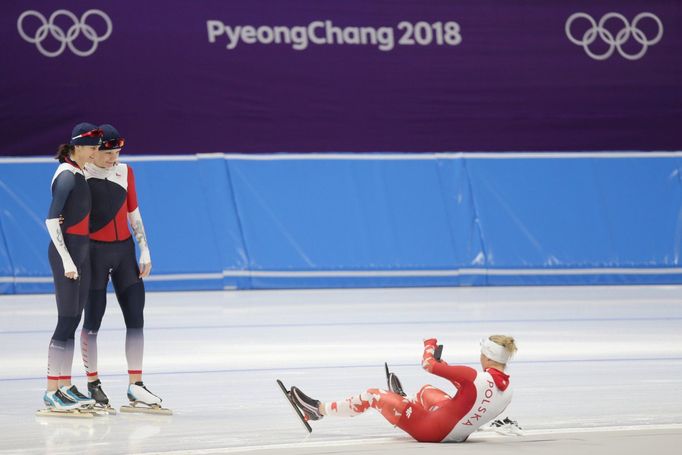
x,y
506,342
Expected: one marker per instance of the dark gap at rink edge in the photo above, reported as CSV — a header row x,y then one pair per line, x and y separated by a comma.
x,y
360,323
334,367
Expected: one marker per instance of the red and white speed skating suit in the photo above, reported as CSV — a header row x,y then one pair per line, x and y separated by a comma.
x,y
434,416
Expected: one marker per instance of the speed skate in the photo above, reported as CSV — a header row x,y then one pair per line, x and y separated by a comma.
x,y
60,404
142,401
297,411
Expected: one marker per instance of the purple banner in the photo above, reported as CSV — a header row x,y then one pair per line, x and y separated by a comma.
x,y
179,77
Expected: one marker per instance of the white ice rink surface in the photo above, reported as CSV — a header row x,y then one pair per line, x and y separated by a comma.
x,y
599,369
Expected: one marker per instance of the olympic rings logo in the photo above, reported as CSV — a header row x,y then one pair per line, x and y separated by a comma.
x,y
65,39
598,30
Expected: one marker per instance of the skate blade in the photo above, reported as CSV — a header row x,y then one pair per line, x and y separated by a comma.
x,y
509,432
108,410
503,431
74,413
92,409
144,409
99,411
297,411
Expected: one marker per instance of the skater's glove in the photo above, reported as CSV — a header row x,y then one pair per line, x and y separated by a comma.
x,y
428,361
432,342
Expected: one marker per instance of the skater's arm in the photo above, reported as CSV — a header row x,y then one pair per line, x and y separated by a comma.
x,y
61,188
456,374
135,220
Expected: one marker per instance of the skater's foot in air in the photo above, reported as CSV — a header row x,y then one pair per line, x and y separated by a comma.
x,y
73,393
138,393
96,393
394,385
309,406
56,400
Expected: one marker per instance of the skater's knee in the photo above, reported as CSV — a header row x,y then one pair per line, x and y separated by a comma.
x,y
430,395
66,328
76,323
94,311
379,398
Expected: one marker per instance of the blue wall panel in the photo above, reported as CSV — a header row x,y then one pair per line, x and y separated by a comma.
x,y
223,221
283,221
538,213
25,195
342,215
643,216
462,218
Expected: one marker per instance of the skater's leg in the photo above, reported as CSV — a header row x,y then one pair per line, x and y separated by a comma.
x,y
71,297
66,296
102,259
131,297
389,404
429,396
407,415
132,300
60,353
55,359
81,297
132,305
67,364
65,384
101,263
94,312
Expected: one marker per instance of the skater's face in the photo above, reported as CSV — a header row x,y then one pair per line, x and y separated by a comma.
x,y
85,153
106,158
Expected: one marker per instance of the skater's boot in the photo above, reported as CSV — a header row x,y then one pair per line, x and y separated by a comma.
x,y
142,400
138,393
56,400
73,393
309,406
394,384
96,393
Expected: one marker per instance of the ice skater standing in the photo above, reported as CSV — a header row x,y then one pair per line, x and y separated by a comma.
x,y
112,250
69,256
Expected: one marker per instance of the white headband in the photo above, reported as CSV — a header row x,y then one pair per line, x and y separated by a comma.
x,y
494,351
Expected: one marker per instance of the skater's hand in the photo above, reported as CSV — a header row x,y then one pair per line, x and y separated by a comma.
x,y
70,270
145,269
61,219
145,263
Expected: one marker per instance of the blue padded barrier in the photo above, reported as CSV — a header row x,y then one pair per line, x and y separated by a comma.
x,y
338,220
24,200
